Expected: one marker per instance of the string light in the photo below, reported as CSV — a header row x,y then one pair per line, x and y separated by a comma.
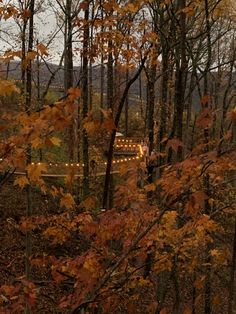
x,y
124,144
82,165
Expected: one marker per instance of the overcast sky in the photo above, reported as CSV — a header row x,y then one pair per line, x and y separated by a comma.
x,y
45,27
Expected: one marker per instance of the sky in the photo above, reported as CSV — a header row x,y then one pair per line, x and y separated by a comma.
x,y
45,27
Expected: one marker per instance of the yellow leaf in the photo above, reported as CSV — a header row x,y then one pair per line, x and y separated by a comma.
x,y
31,55
37,142
214,252
21,181
89,203
144,282
55,140
8,88
35,171
67,201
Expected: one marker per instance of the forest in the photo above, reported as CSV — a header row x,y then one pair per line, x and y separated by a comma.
x,y
118,156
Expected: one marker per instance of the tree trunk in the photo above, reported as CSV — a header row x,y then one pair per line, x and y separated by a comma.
x,y
151,79
113,135
180,77
28,99
85,101
68,73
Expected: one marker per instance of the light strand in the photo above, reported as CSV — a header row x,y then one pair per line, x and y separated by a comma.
x,y
82,165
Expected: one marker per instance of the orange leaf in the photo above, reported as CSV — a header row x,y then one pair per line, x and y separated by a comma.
x,y
74,93
37,142
174,143
55,141
8,88
42,49
89,203
187,310
216,300
164,311
21,181
200,197
35,171
199,282
67,201
109,125
31,55
205,118
205,99
232,115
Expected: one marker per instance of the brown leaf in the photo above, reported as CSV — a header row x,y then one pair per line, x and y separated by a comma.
x,y
42,49
199,282
216,300
187,310
8,88
164,311
67,201
174,143
232,115
205,100
205,118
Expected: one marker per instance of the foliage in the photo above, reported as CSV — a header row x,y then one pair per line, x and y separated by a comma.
x,y
124,259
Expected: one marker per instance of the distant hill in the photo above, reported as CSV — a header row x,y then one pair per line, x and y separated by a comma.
x,y
13,71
